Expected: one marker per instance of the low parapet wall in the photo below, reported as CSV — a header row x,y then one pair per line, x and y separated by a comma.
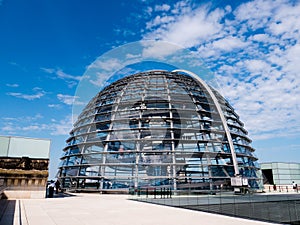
x,y
2,187
280,188
23,177
26,194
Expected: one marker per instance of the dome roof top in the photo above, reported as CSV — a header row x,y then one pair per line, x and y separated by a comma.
x,y
157,128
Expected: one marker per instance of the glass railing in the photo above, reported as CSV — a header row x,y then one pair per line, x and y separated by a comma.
x,y
270,206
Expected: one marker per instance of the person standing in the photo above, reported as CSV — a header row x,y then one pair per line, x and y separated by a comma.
x,y
51,189
274,187
57,186
295,186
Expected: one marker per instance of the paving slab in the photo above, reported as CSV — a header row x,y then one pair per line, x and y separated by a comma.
x,y
92,209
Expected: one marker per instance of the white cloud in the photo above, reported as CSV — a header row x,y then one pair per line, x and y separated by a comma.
x,y
253,50
149,10
29,125
23,124
132,56
108,65
27,119
102,69
256,13
62,127
285,21
269,107
37,127
66,99
292,56
39,93
256,66
188,29
159,49
9,128
48,70
163,7
229,43
101,79
54,106
181,7
260,37
64,75
69,99
13,85
71,80
159,20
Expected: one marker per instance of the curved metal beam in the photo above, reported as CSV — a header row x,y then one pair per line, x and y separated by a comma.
x,y
223,119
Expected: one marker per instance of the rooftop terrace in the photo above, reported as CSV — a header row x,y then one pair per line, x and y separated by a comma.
x,y
90,209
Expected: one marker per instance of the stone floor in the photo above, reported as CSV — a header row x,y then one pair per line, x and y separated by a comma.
x,y
91,209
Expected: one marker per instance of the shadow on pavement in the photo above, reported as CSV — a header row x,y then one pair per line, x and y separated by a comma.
x,y
7,211
61,195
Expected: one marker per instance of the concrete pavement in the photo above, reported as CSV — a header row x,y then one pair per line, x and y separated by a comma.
x,y
93,209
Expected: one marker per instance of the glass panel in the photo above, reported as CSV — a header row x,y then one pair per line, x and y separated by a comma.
x,y
103,117
99,136
74,150
189,147
70,171
94,148
92,159
73,160
90,171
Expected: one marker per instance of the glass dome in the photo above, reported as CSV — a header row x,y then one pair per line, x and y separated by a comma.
x,y
157,129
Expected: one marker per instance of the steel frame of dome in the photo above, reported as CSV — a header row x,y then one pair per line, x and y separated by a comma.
x,y
157,129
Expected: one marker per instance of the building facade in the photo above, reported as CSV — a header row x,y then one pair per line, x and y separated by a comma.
x,y
157,129
23,166
281,173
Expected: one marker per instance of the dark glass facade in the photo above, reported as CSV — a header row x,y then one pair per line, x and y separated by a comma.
x,y
157,129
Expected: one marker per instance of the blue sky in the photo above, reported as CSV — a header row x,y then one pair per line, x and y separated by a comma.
x,y
251,47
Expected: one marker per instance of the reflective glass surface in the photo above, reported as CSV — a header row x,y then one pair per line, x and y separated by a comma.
x,y
155,129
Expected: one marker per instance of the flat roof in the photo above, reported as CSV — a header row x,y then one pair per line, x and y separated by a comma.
x,y
11,146
91,209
